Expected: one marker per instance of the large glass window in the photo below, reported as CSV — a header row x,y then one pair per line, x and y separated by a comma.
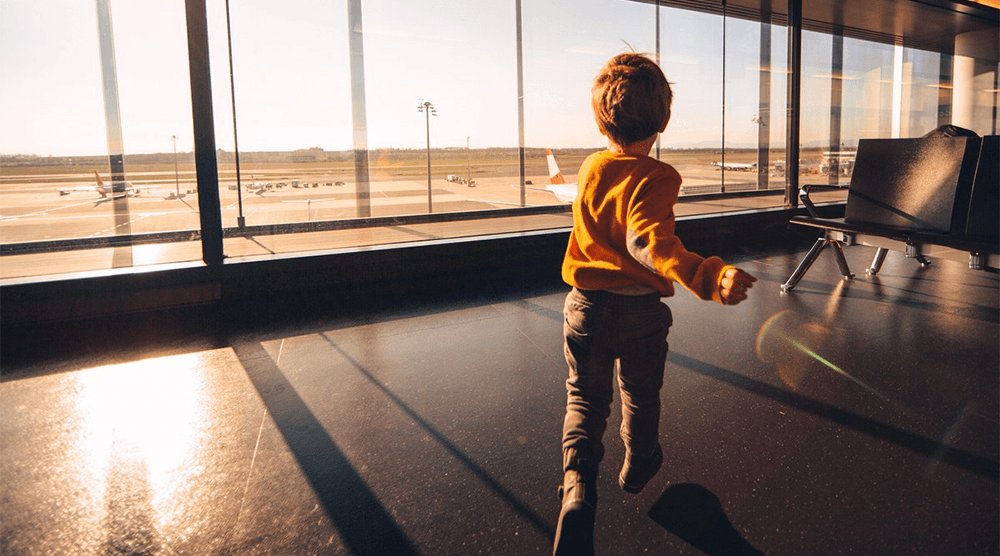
x,y
691,57
292,125
441,95
565,45
921,89
95,135
354,123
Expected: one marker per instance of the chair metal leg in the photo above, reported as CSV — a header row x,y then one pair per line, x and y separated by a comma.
x,y
913,251
877,261
807,262
842,261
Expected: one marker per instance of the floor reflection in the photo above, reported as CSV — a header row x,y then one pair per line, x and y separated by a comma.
x,y
138,431
426,427
129,517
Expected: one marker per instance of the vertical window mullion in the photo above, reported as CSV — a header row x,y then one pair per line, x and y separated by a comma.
x,y
206,164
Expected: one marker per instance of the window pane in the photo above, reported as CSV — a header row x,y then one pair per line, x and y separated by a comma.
x,y
867,91
777,123
441,84
816,84
63,174
716,155
921,91
691,56
566,43
291,84
743,107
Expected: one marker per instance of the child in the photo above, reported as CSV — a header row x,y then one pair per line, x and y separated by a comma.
x,y
622,258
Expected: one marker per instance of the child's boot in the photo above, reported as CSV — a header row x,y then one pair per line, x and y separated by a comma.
x,y
575,531
639,468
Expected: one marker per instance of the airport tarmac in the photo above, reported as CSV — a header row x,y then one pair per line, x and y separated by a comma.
x,y
32,210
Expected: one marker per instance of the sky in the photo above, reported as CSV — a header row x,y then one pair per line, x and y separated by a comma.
x,y
293,81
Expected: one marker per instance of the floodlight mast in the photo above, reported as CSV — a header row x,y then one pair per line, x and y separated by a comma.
x,y
428,110
177,178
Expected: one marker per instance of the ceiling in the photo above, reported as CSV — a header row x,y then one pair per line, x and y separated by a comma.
x,y
924,24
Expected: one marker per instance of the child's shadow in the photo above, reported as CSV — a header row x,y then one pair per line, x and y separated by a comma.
x,y
695,515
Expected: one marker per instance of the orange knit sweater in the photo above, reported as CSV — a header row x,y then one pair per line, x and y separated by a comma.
x,y
623,230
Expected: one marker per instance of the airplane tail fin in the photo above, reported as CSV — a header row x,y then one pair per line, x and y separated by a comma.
x,y
100,183
555,176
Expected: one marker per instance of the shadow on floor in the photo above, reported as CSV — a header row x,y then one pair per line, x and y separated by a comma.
x,y
982,466
363,523
695,514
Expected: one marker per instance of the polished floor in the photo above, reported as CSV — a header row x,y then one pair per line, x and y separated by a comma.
x,y
852,417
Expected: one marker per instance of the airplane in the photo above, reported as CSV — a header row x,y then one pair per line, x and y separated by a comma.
x,y
104,190
565,192
258,186
747,167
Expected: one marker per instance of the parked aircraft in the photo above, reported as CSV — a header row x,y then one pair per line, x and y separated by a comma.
x,y
106,191
565,192
744,167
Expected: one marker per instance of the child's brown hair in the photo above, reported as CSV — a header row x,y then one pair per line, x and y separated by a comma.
x,y
631,99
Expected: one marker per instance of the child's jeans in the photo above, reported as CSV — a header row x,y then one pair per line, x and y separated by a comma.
x,y
600,327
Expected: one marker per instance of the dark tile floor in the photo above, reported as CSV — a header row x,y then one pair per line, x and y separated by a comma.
x,y
843,418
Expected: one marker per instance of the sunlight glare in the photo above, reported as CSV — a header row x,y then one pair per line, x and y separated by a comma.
x,y
781,342
149,411
792,345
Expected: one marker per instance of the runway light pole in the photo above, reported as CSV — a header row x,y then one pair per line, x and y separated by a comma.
x,y
240,220
177,178
428,109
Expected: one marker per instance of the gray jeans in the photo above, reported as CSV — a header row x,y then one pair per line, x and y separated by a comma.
x,y
599,328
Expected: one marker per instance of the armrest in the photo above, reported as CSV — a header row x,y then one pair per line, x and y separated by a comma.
x,y
807,188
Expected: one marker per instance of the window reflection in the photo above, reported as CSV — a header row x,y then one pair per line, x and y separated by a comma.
x,y
925,76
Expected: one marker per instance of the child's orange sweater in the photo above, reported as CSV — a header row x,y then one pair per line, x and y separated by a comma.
x,y
623,231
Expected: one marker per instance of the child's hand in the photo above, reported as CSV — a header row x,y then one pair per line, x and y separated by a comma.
x,y
735,284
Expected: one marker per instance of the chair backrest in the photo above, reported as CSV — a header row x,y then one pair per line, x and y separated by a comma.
x,y
913,184
983,220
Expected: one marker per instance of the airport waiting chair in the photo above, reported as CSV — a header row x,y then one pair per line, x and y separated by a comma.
x,y
926,197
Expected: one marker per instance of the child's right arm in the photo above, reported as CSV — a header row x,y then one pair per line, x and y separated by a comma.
x,y
734,285
651,240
